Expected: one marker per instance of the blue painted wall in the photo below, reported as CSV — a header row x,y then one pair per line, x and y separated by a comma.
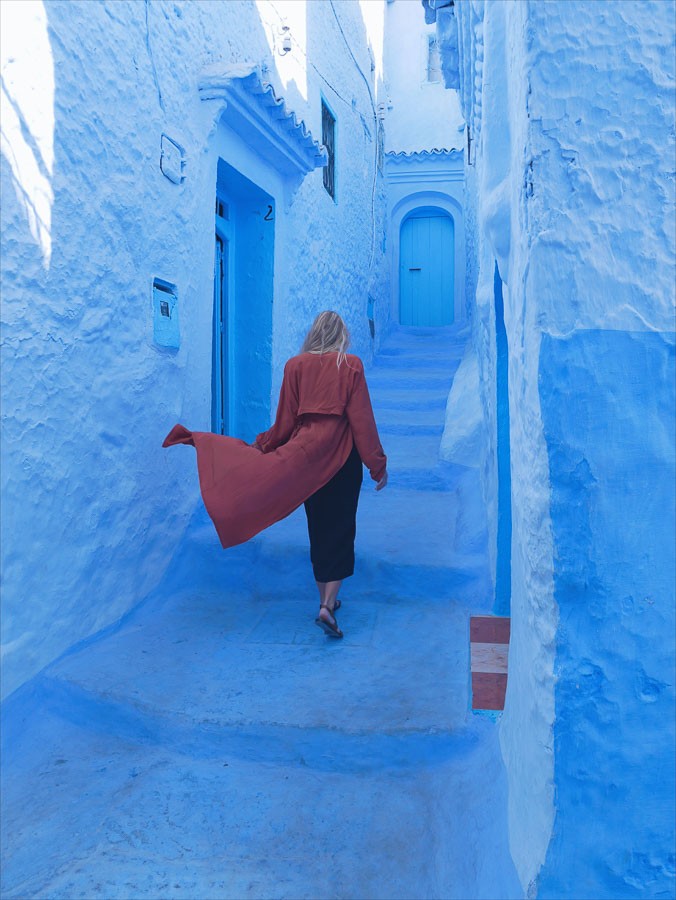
x,y
570,108
87,392
608,413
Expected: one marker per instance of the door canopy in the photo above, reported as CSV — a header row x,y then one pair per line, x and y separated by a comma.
x,y
249,105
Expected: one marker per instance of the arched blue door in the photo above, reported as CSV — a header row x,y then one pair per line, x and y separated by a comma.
x,y
426,268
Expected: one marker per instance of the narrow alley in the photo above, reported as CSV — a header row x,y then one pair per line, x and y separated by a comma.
x,y
216,744
480,194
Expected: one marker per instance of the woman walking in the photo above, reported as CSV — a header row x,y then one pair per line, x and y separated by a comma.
x,y
323,431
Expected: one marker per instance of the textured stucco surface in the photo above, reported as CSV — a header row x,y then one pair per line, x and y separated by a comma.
x,y
92,511
605,152
571,107
462,440
614,733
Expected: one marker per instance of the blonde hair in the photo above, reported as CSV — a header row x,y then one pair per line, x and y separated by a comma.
x,y
328,334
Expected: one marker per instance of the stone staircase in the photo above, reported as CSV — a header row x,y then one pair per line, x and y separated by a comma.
x,y
215,744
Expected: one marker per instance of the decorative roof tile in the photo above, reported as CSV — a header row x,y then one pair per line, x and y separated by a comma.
x,y
253,109
450,153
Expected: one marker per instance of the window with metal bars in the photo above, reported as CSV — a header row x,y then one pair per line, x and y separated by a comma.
x,y
329,141
433,74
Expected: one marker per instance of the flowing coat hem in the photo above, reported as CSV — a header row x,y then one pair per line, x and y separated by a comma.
x,y
323,410
225,465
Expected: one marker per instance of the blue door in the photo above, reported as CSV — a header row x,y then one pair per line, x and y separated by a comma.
x,y
426,268
243,294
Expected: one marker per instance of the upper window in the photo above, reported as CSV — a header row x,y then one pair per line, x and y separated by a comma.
x,y
433,60
329,141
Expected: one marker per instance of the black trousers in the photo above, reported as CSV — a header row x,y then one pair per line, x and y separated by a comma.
x,y
332,522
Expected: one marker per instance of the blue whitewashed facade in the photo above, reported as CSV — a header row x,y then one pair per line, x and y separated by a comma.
x,y
124,124
569,144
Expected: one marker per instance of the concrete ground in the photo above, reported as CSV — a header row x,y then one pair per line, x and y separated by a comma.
x,y
215,744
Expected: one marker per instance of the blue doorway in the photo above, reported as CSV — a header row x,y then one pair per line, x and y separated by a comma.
x,y
427,268
242,306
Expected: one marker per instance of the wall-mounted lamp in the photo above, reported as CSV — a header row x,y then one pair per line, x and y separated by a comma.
x,y
384,107
285,43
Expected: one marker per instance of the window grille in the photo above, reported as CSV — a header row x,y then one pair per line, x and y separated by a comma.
x,y
433,60
328,139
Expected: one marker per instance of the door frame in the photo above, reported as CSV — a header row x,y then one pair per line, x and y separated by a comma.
x,y
225,230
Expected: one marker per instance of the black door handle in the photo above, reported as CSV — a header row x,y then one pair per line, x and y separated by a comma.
x,y
415,268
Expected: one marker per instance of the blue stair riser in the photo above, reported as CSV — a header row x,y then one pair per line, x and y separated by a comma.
x,y
397,429
383,382
407,399
399,359
253,567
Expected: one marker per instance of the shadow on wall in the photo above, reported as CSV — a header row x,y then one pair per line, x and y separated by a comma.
x,y
503,572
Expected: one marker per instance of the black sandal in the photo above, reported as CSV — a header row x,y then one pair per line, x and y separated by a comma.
x,y
330,628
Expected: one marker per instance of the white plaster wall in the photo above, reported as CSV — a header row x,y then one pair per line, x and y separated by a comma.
x,y
609,157
423,115
463,440
93,509
336,249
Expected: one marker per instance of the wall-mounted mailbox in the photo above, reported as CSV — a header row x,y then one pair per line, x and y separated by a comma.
x,y
165,314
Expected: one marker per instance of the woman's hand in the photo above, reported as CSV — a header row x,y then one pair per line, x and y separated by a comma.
x,y
383,481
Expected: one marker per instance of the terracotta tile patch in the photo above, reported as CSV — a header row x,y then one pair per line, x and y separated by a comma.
x,y
489,629
488,690
489,651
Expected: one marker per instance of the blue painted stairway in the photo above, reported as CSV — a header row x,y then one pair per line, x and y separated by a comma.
x,y
216,745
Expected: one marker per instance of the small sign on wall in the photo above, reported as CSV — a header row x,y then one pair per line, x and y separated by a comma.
x,y
165,314
172,159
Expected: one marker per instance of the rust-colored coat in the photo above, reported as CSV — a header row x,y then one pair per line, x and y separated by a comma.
x,y
322,409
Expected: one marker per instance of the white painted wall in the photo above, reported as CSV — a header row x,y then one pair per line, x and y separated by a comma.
x,y
93,509
423,115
